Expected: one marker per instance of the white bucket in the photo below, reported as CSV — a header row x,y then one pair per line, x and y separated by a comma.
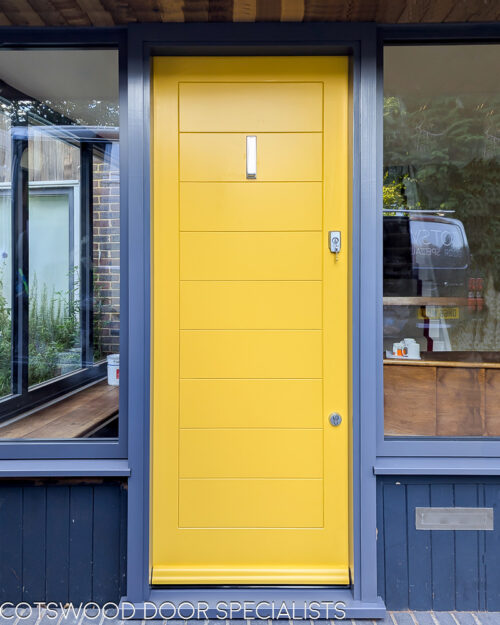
x,y
114,369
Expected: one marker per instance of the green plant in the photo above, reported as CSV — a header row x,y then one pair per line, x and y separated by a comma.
x,y
53,329
5,340
53,332
98,320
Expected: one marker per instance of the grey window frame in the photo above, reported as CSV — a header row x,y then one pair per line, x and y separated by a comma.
x,y
410,453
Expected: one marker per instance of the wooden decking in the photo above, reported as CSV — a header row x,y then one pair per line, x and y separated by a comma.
x,y
74,417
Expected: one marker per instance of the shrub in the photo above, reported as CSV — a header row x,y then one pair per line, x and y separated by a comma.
x,y
53,330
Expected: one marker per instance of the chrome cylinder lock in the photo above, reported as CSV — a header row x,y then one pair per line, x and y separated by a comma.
x,y
335,419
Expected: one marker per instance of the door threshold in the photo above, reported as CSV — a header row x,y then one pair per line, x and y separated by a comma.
x,y
165,577
248,603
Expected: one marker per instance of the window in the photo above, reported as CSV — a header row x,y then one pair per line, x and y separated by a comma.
x,y
441,225
59,244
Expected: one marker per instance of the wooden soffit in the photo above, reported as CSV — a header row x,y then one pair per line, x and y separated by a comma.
x,y
118,12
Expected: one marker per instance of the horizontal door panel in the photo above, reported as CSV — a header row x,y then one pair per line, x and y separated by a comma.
x,y
251,403
250,256
251,354
251,305
251,107
228,453
250,503
255,206
213,157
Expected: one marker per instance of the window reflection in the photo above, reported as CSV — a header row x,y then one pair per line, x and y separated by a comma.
x,y
441,219
5,258
59,240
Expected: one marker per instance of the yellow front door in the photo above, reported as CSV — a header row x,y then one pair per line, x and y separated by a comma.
x,y
250,321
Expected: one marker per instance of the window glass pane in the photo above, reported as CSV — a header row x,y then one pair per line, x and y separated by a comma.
x,y
5,256
59,220
5,296
441,240
54,320
106,253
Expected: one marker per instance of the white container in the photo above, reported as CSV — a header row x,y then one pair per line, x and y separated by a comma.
x,y
412,349
114,369
397,350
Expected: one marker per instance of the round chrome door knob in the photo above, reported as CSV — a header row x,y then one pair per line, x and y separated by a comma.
x,y
335,419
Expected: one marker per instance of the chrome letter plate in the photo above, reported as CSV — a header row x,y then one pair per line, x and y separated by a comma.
x,y
454,518
251,157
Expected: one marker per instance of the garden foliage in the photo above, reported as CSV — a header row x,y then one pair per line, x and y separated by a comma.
x,y
444,153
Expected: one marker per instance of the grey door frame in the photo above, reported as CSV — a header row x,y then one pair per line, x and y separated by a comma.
x,y
359,41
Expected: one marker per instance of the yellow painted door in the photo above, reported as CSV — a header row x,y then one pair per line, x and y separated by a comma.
x,y
250,322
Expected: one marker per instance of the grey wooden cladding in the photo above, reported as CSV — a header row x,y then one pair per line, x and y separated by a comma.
x,y
454,518
62,540
436,570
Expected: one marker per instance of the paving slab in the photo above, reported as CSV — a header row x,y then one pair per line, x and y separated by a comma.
x,y
465,618
425,618
382,621
403,618
444,618
488,618
42,617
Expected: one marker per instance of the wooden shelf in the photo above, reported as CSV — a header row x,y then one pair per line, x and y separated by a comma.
x,y
425,301
442,363
74,416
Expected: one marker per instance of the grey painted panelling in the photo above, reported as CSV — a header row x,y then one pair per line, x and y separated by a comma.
x,y
437,569
62,541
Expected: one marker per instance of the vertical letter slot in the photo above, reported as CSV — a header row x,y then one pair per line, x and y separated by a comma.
x,y
251,157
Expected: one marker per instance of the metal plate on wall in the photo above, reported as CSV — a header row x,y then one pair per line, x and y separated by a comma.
x,y
454,518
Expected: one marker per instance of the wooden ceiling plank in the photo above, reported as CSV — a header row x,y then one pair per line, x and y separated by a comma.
x,y
196,10
324,10
345,9
21,13
48,12
171,10
220,11
415,10
363,11
487,11
115,12
268,11
72,13
4,20
462,10
482,10
244,10
292,10
436,12
389,11
120,11
97,14
145,10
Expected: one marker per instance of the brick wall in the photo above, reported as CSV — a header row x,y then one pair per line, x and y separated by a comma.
x,y
106,215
